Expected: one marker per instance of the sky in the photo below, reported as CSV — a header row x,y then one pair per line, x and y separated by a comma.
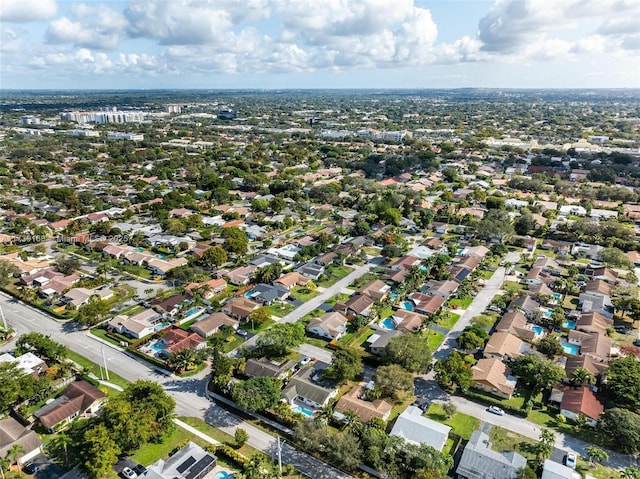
x,y
280,44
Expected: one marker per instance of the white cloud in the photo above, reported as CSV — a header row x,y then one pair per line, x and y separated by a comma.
x,y
11,41
22,11
65,30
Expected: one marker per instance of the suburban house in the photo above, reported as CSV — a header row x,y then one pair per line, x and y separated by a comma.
x,y
365,410
378,341
592,301
12,434
208,289
269,293
407,321
190,462
309,388
593,322
538,276
292,279
406,262
331,325
79,398
239,276
212,324
161,267
505,346
591,344
416,429
81,296
515,322
526,304
170,306
137,326
555,470
311,270
426,303
599,286
442,288
29,363
594,366
577,400
240,308
479,461
263,367
375,289
604,273
177,339
493,376
358,304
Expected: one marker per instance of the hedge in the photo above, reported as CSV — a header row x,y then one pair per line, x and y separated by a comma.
x,y
146,357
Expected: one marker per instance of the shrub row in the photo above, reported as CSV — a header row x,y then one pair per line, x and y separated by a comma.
x,y
146,357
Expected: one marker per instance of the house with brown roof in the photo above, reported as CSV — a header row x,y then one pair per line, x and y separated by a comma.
x,y
240,308
426,303
264,367
170,306
365,410
592,344
538,276
209,288
578,400
442,288
239,276
331,325
79,399
212,324
407,321
593,322
599,286
505,346
358,304
178,339
406,262
594,366
604,273
137,326
493,376
292,279
516,323
375,289
12,434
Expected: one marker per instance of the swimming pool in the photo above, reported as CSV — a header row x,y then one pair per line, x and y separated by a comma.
x,y
302,410
537,329
157,346
250,294
388,323
557,296
408,305
570,349
139,250
548,313
569,324
192,311
394,295
223,475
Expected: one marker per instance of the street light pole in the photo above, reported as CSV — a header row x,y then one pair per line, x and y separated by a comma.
x,y
4,320
104,360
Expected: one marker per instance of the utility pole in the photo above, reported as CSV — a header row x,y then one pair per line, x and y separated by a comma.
x,y
104,360
4,320
280,456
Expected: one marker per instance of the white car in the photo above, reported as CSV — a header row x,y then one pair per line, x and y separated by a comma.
x,y
570,460
495,410
305,360
128,473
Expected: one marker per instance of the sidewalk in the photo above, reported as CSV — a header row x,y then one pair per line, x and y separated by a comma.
x,y
195,432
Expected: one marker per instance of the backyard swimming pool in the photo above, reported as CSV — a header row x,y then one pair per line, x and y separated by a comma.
x,y
537,329
223,475
548,313
570,349
569,324
408,305
157,346
192,311
302,410
388,323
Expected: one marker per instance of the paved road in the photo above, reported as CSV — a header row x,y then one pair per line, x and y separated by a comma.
x,y
320,354
189,393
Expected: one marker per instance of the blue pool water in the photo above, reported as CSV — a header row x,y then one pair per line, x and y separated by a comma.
x,y
192,311
162,256
157,346
394,295
160,326
548,313
570,349
557,295
302,410
139,250
249,294
408,305
569,324
388,323
537,329
222,475
459,252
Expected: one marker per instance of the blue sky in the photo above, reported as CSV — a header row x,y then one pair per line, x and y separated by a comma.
x,y
319,44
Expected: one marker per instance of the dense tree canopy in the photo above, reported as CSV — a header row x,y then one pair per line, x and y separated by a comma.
x,y
411,351
623,382
256,394
622,427
346,365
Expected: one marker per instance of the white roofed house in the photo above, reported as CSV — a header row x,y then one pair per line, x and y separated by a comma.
x,y
416,429
137,326
331,325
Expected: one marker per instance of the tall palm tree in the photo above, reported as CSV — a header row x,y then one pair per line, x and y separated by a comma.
x,y
14,453
596,454
325,413
63,441
630,472
350,420
5,462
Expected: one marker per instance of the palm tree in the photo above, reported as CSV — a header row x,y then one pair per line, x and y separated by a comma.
x,y
183,360
596,454
350,420
630,472
582,377
14,453
62,441
5,462
325,413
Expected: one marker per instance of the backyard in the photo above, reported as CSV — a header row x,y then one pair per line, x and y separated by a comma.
x,y
461,424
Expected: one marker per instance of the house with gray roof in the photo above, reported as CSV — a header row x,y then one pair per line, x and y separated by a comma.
x,y
416,429
479,461
310,387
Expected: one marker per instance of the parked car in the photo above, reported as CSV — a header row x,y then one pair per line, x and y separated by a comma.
x,y
495,410
305,360
31,468
241,332
570,460
140,470
128,473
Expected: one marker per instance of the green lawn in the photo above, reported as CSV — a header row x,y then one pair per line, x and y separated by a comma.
x,y
504,440
151,452
338,298
485,320
218,435
303,294
95,369
281,309
486,274
362,280
137,270
104,335
449,321
599,471
570,302
435,340
461,424
461,303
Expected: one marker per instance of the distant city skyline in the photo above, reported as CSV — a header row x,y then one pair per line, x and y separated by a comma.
x,y
280,44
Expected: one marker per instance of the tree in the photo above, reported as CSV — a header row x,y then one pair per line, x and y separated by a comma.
x,y
214,256
60,444
259,316
236,240
67,265
411,351
544,447
14,453
496,224
470,340
526,473
524,224
630,472
453,373
256,394
582,377
449,408
346,365
186,359
538,374
7,270
5,462
623,428
549,346
597,455
99,452
623,382
615,258
269,273
93,312
42,346
394,381
281,337
241,436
